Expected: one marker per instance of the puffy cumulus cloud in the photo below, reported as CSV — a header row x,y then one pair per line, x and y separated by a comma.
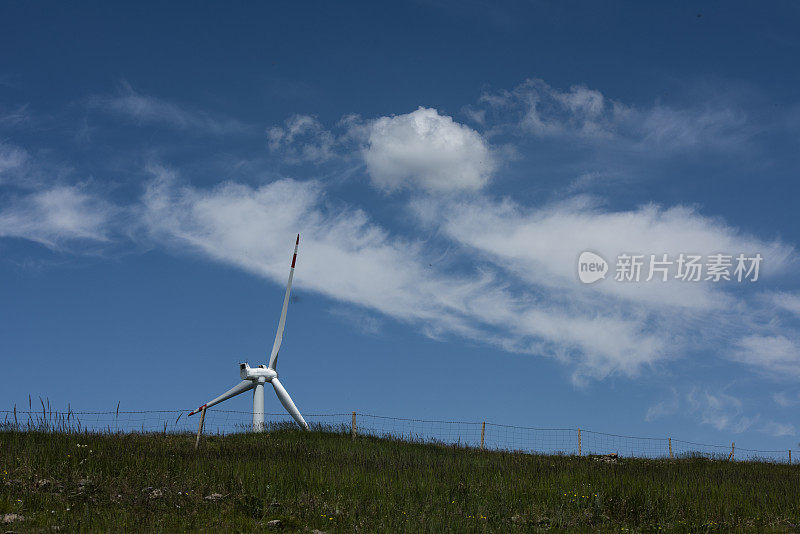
x,y
545,111
419,150
347,257
776,355
57,215
426,150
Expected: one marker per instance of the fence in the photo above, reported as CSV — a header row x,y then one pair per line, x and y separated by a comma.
x,y
564,441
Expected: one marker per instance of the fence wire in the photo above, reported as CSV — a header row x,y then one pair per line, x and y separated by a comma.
x,y
492,436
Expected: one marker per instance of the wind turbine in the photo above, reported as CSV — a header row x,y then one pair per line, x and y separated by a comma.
x,y
255,377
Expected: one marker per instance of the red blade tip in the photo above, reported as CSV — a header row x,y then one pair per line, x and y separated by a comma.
x,y
298,240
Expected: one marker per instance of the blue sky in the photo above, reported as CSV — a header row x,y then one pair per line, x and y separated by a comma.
x,y
445,163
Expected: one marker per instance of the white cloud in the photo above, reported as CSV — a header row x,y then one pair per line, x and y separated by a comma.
x,y
776,429
419,150
541,309
303,138
785,400
427,150
774,354
12,159
14,117
787,301
57,215
365,323
516,287
542,245
545,111
664,408
348,258
144,109
722,411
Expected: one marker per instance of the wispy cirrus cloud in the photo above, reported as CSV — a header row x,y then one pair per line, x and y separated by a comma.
x,y
10,117
140,108
785,400
351,259
774,428
57,216
542,244
303,138
718,409
429,153
514,284
776,355
12,159
537,108
786,301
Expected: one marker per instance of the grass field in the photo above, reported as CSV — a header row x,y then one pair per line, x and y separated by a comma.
x,y
326,481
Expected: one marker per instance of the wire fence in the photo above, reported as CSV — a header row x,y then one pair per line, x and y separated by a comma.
x,y
492,436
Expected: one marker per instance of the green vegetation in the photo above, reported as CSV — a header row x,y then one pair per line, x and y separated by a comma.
x,y
324,480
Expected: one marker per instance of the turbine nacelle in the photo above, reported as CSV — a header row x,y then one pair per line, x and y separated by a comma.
x,y
254,373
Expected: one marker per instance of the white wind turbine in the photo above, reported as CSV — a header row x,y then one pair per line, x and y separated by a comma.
x,y
254,378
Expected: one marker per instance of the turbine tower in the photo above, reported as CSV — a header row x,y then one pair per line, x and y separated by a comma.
x,y
255,377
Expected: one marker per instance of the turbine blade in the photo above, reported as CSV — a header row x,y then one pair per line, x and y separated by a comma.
x,y
273,358
241,387
286,400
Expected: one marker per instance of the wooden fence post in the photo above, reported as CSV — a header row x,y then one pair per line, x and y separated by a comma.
x,y
353,427
580,445
483,433
733,448
200,428
790,456
670,448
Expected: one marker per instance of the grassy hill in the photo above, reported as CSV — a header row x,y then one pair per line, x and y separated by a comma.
x,y
326,481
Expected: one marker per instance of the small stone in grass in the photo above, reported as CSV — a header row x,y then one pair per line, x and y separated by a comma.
x,y
10,518
213,497
275,523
